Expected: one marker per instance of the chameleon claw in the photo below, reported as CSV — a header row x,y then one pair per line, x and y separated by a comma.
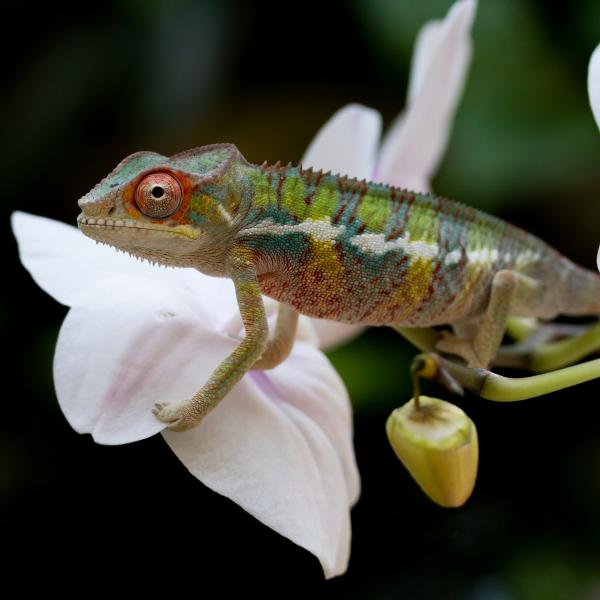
x,y
440,374
179,416
444,377
171,414
159,411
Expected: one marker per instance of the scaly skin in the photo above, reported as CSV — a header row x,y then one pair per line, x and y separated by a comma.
x,y
328,246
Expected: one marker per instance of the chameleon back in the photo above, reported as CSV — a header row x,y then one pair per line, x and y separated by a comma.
x,y
353,251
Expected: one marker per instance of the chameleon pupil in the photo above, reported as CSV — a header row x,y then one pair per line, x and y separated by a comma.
x,y
157,191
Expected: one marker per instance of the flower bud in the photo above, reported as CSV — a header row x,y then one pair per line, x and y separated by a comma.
x,y
437,442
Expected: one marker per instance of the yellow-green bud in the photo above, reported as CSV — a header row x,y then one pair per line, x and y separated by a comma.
x,y
437,443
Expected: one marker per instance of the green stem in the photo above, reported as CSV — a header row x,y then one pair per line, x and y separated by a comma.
x,y
551,356
495,387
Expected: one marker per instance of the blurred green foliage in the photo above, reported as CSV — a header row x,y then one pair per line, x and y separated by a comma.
x,y
524,127
88,84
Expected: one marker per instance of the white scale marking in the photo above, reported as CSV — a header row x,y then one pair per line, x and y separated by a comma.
x,y
452,258
370,243
375,243
318,230
483,256
526,258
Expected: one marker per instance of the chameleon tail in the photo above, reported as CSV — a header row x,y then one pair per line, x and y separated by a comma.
x,y
581,290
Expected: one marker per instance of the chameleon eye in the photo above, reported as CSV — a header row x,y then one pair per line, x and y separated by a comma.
x,y
158,195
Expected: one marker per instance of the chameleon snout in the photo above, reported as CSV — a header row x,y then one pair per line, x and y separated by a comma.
x,y
92,206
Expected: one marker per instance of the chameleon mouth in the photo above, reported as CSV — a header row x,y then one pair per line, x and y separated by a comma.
x,y
91,223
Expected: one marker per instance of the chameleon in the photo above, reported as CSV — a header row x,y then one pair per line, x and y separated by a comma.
x,y
329,246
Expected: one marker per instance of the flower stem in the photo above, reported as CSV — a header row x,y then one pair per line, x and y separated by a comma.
x,y
495,387
551,356
418,367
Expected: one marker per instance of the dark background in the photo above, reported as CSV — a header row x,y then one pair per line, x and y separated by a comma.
x,y
84,87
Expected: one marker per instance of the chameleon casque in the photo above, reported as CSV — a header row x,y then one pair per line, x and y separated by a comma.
x,y
328,246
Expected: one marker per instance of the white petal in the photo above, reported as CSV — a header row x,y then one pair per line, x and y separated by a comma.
x,y
216,295
64,263
285,459
347,143
234,326
416,141
319,380
594,83
332,334
142,343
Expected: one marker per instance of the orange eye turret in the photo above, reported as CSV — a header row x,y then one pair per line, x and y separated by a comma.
x,y
158,195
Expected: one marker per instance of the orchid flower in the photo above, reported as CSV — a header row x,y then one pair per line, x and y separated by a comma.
x,y
594,93
280,444
594,83
410,152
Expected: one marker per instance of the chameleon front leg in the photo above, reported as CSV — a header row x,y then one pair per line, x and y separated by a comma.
x,y
187,414
279,348
510,292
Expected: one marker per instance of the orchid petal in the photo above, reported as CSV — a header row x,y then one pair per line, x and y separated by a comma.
x,y
594,83
416,141
332,334
120,352
65,264
62,261
320,380
289,465
305,332
347,143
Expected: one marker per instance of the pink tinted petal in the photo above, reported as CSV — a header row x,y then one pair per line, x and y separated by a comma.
x,y
347,143
306,332
332,334
284,462
415,143
594,83
143,343
424,53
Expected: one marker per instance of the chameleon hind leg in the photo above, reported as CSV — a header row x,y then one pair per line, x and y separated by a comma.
x,y
279,347
477,342
187,414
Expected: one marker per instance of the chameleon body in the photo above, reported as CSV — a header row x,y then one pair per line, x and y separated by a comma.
x,y
329,246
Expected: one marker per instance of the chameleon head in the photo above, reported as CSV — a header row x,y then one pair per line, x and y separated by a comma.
x,y
176,211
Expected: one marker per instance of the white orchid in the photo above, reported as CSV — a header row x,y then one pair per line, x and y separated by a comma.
x,y
280,444
594,93
594,83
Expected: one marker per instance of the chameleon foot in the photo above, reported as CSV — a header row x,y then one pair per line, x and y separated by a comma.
x,y
450,344
178,415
